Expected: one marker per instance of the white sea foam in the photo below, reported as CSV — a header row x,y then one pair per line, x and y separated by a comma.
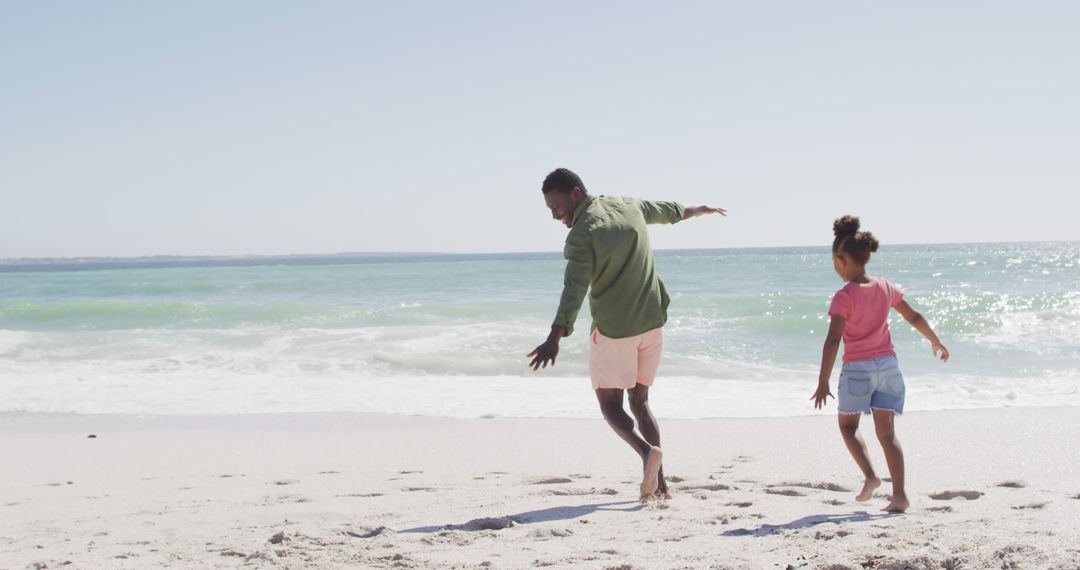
x,y
11,340
87,391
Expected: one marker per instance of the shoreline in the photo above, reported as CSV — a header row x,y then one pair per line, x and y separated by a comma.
x,y
381,491
471,396
23,421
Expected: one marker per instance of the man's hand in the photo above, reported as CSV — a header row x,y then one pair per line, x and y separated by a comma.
x,y
543,353
547,351
695,211
821,396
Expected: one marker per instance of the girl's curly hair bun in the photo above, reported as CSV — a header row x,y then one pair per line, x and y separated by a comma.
x,y
845,226
858,245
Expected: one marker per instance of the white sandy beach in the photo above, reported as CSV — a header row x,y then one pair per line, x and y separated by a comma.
x,y
359,491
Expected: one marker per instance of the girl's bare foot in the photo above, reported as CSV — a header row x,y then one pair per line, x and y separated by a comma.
x,y
898,504
652,473
868,488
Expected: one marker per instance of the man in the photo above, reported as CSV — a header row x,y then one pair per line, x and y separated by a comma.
x,y
608,250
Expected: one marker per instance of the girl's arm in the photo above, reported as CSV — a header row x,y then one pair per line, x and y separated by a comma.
x,y
828,359
919,322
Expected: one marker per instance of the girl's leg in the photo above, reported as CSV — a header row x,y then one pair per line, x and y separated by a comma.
x,y
849,429
894,457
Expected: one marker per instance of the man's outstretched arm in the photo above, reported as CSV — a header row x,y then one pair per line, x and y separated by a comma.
x,y
695,211
674,212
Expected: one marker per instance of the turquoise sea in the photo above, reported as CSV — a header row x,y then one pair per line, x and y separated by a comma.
x,y
447,334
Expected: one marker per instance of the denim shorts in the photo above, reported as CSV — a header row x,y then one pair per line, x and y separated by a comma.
x,y
874,383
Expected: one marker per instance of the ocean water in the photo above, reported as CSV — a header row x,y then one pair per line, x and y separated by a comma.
x,y
447,335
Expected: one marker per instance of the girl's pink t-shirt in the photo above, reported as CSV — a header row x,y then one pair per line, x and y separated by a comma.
x,y
865,308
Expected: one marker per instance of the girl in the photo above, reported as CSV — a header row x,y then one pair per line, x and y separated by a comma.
x,y
870,380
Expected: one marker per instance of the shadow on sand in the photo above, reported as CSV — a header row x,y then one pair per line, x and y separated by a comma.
x,y
807,522
542,515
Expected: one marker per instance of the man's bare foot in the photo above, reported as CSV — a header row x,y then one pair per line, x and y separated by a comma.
x,y
652,473
868,488
898,504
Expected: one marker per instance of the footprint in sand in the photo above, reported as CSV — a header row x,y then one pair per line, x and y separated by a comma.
x,y
397,560
578,492
675,479
1076,496
1011,484
291,498
408,472
284,482
949,495
362,495
834,502
677,538
741,505
488,523
785,492
365,532
704,487
941,509
329,472
546,533
414,489
809,485
551,481
723,519
820,535
744,459
1030,506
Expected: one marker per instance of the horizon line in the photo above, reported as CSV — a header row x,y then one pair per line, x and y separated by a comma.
x,y
253,256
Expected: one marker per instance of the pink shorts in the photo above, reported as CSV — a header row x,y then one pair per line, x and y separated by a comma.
x,y
625,362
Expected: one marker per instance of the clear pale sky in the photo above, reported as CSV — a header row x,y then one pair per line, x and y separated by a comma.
x,y
264,127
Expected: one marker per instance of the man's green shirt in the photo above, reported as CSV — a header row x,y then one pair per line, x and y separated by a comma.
x,y
608,249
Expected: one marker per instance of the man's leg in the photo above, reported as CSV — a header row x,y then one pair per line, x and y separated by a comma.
x,y
611,405
639,405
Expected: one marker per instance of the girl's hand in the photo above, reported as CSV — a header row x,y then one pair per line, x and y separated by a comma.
x,y
821,395
940,351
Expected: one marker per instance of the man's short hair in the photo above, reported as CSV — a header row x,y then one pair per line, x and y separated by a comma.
x,y
562,180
